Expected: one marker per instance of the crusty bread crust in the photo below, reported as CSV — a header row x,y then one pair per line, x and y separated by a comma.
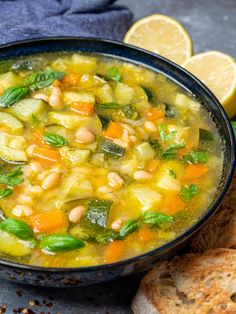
x,y
220,231
190,284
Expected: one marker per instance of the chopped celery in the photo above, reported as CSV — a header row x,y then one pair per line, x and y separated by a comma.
x,y
147,197
9,79
11,154
11,245
144,152
104,94
168,183
75,156
12,124
70,97
124,94
75,186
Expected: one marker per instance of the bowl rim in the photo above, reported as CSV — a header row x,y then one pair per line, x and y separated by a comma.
x,y
188,232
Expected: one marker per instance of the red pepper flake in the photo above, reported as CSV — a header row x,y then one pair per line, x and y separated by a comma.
x,y
19,293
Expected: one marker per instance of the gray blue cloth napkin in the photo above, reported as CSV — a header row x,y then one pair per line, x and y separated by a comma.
x,y
23,19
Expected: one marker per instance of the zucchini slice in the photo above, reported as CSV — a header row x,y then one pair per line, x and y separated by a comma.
x,y
72,121
26,108
11,155
11,123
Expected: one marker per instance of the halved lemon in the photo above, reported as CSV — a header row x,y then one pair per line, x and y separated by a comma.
x,y
218,71
162,35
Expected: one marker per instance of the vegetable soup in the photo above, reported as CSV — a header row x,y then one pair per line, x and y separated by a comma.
x,y
101,160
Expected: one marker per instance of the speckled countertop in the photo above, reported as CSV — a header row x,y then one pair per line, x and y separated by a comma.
x,y
212,25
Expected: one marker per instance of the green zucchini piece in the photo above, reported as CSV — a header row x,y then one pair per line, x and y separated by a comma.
x,y
11,154
111,148
205,135
72,121
26,108
98,211
11,123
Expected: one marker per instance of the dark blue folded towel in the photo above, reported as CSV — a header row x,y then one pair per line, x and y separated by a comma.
x,y
22,19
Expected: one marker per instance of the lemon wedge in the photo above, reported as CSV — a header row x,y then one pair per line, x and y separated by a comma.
x,y
218,71
162,35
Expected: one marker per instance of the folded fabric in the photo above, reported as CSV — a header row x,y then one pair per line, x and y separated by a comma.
x,y
23,19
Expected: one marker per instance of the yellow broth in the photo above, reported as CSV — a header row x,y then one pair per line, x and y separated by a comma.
x,y
101,160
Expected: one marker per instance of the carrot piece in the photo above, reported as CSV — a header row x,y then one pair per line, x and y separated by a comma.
x,y
145,234
114,130
71,79
47,154
84,108
155,114
48,221
195,171
173,204
153,165
114,251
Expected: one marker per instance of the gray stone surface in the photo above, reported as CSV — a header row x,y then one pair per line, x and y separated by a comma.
x,y
212,25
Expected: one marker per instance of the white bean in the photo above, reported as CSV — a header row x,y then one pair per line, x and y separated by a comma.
x,y
116,225
34,189
35,166
55,101
150,126
30,150
24,198
83,135
114,180
142,175
22,210
51,181
77,213
41,96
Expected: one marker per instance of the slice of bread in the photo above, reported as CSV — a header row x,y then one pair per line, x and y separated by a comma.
x,y
190,284
220,231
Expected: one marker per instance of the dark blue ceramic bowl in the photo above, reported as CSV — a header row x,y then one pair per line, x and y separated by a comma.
x,y
89,275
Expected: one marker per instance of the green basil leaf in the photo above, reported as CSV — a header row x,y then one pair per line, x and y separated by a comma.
x,y
43,79
60,243
18,228
195,157
13,94
54,139
5,193
12,178
107,236
171,151
129,227
5,66
114,74
205,135
153,218
97,212
109,105
188,192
